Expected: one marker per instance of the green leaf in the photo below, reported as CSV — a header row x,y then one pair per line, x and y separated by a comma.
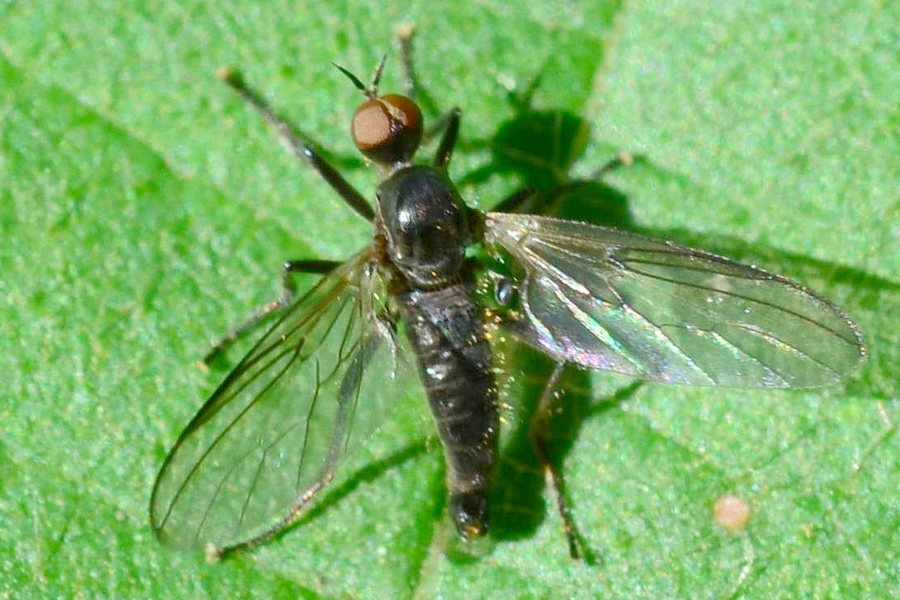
x,y
144,211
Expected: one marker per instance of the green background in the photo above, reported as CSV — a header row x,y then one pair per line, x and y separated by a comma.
x,y
144,210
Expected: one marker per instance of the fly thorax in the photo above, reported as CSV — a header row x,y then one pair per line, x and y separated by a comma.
x,y
425,224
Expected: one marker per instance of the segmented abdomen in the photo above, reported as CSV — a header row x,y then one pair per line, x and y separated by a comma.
x,y
446,330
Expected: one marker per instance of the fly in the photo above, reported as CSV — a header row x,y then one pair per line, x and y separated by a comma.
x,y
308,393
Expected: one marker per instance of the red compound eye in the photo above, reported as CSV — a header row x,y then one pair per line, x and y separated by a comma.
x,y
387,129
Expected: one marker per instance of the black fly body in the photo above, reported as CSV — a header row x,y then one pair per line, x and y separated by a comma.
x,y
312,388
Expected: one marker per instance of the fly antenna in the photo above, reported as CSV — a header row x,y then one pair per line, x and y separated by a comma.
x,y
370,91
353,78
376,76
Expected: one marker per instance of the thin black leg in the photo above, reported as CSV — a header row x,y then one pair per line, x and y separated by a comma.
x,y
314,266
404,35
447,123
319,267
450,123
299,146
346,405
578,547
512,202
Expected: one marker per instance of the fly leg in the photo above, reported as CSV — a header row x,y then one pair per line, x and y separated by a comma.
x,y
516,200
404,34
301,147
305,150
318,267
537,431
348,396
447,125
450,124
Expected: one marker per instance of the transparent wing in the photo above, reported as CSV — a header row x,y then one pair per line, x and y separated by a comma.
x,y
310,390
606,299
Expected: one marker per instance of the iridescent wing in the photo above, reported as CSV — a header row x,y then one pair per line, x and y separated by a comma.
x,y
273,433
605,299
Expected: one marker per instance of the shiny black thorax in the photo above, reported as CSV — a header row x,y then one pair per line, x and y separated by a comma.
x,y
427,228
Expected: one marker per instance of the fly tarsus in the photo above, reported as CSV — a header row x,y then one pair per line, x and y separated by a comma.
x,y
250,323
